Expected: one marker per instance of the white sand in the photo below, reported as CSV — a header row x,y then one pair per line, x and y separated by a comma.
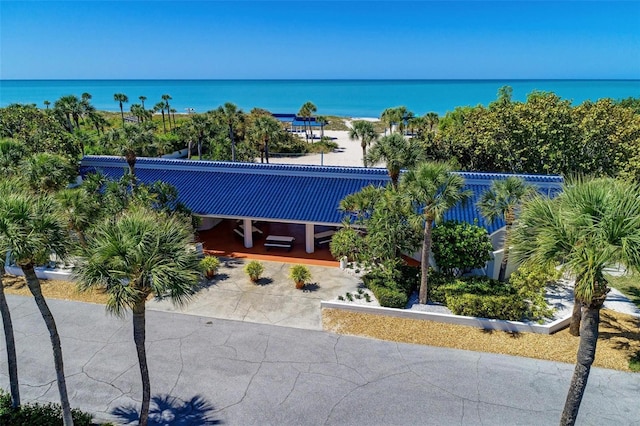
x,y
349,153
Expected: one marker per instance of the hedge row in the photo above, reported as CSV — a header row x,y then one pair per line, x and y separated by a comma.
x,y
35,414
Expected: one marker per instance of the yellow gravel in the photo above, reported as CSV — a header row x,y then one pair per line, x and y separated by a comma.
x,y
619,339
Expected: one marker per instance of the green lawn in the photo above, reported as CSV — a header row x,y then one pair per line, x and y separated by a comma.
x,y
629,285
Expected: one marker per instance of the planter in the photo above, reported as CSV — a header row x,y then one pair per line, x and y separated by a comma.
x,y
299,285
344,262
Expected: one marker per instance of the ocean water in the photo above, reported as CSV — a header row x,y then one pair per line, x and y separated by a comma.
x,y
355,98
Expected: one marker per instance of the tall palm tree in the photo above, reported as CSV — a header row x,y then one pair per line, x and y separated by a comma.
x,y
166,98
432,120
433,189
232,116
387,117
142,99
31,229
322,120
397,152
160,107
173,114
47,103
591,225
121,98
12,360
133,256
364,131
264,129
501,201
69,107
306,112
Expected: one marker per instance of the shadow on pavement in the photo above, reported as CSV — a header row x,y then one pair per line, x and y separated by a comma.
x,y
169,410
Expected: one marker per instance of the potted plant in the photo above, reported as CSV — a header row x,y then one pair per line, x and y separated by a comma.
x,y
299,274
210,265
254,269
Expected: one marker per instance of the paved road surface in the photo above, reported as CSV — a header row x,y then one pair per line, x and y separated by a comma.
x,y
240,373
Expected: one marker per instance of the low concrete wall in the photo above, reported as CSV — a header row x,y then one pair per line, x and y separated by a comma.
x,y
42,273
484,323
177,154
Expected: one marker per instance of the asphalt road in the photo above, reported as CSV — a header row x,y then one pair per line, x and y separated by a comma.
x,y
213,371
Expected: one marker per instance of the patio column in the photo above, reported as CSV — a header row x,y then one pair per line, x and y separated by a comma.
x,y
309,230
248,233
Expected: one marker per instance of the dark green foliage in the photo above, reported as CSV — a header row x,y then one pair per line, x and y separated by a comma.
x,y
459,247
438,283
35,414
392,285
545,134
509,307
390,298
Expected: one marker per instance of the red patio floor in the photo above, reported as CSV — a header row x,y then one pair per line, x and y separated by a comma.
x,y
222,241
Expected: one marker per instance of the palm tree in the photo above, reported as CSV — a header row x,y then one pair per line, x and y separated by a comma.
x,y
160,107
32,231
12,359
166,99
306,112
137,254
173,114
46,104
501,201
142,99
364,131
433,189
232,116
265,128
432,120
591,225
322,120
397,152
68,106
45,172
387,118
121,98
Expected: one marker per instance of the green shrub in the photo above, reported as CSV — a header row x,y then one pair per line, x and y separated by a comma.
x,y
510,307
437,285
390,298
209,265
459,247
346,242
35,414
299,273
530,281
479,285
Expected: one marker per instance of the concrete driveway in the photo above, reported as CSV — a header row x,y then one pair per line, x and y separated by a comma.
x,y
207,371
273,300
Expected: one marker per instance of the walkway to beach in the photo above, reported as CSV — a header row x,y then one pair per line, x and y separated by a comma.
x,y
205,370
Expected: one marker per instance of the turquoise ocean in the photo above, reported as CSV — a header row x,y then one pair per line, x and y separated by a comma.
x,y
354,98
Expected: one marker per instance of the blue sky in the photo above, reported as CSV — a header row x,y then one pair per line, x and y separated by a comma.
x,y
319,40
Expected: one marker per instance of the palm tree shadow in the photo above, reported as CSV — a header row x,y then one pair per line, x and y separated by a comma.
x,y
169,410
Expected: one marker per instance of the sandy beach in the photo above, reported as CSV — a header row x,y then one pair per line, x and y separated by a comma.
x,y
349,152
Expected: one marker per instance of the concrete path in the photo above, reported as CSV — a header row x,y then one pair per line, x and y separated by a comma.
x,y
273,300
209,371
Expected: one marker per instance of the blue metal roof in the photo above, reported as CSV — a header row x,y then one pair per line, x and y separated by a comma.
x,y
262,191
280,192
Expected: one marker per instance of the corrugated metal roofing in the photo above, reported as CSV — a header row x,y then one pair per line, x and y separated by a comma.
x,y
280,192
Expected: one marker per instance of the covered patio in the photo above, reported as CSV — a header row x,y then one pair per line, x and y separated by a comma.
x,y
223,241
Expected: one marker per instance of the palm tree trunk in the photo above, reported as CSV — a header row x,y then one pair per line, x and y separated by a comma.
x,y
12,359
233,143
423,295
189,147
576,316
139,339
505,249
266,150
364,154
34,286
164,126
122,114
585,357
